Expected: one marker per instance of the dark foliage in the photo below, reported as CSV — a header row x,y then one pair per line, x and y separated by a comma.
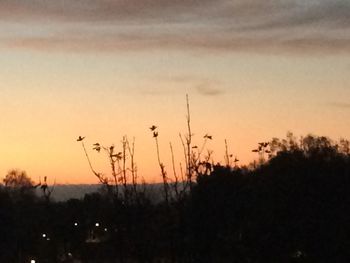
x,y
293,208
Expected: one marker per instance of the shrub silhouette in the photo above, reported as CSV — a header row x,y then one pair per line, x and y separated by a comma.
x,y
293,207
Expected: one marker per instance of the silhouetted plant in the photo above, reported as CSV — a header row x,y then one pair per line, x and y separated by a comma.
x,y
193,153
262,150
18,179
163,173
46,189
178,192
294,208
188,138
133,167
119,169
228,158
96,147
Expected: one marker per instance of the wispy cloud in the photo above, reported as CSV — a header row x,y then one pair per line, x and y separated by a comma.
x,y
343,105
223,25
208,88
185,83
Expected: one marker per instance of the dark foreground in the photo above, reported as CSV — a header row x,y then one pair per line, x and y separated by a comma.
x,y
293,208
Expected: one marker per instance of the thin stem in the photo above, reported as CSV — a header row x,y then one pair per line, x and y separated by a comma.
x,y
163,172
174,171
124,168
189,142
184,182
227,158
114,174
98,175
132,164
185,151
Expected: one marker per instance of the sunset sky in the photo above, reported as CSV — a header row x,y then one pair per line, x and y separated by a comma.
x,y
106,68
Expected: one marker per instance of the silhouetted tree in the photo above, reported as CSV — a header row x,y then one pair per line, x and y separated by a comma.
x,y
18,179
294,207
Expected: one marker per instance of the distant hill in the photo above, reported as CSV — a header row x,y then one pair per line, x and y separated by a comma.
x,y
63,192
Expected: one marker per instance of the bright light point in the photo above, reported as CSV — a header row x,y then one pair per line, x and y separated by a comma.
x,y
48,239
97,224
75,224
44,235
106,229
32,261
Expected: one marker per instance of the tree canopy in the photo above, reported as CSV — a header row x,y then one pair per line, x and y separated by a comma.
x,y
18,179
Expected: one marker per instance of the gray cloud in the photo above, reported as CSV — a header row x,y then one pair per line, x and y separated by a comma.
x,y
207,88
188,83
342,105
96,10
313,26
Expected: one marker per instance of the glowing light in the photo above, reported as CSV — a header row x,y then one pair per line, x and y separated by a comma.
x,y
32,261
75,224
97,224
43,235
106,229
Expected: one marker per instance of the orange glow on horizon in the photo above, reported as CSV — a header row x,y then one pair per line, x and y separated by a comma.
x,y
70,72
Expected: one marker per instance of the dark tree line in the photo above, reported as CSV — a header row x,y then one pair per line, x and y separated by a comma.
x,y
292,207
